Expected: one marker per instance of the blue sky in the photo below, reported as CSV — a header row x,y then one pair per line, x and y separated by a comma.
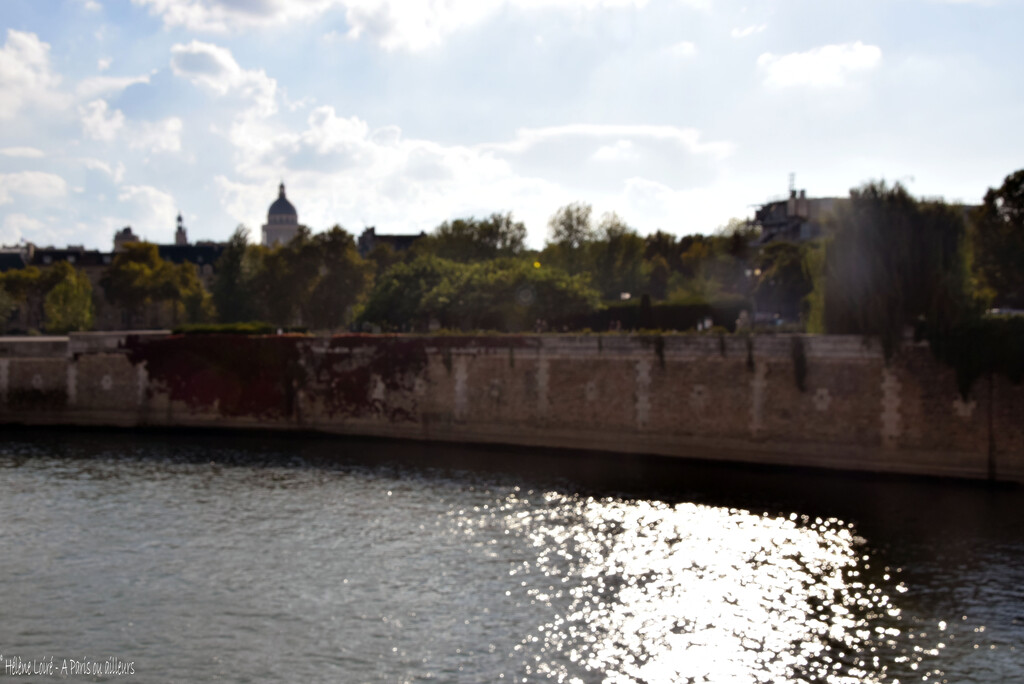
x,y
676,114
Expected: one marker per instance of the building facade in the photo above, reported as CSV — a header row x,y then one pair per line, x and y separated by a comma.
x,y
282,221
795,219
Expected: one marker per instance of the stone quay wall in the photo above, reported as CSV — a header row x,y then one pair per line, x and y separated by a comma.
x,y
795,400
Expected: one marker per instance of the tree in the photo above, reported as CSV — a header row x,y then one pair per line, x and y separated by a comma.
x,y
570,225
68,305
893,262
395,302
500,294
659,276
571,234
383,256
232,286
784,280
617,257
469,240
8,304
997,236
343,278
138,278
664,245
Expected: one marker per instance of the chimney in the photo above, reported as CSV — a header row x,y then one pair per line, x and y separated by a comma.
x,y
791,204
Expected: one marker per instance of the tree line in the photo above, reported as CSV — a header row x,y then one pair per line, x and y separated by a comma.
x,y
887,261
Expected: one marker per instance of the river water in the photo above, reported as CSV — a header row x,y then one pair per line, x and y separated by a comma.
x,y
241,558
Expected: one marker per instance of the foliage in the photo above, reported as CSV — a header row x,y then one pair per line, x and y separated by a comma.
x,y
343,277
893,261
633,315
997,232
235,328
231,291
314,280
395,300
239,375
68,305
503,294
138,277
814,301
471,240
571,233
8,304
784,279
383,256
981,346
29,286
617,259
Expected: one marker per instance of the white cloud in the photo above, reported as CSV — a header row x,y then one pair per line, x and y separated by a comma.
x,y
24,152
25,75
682,50
115,172
341,169
98,122
16,226
149,209
157,136
104,63
98,86
35,184
220,16
747,30
393,24
826,66
621,150
213,67
688,139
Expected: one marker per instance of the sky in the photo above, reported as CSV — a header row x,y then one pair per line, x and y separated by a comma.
x,y
675,114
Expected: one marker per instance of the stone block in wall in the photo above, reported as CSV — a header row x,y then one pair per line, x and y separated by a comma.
x,y
106,382
934,415
36,385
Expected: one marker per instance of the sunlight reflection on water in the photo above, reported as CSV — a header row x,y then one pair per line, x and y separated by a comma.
x,y
347,572
649,592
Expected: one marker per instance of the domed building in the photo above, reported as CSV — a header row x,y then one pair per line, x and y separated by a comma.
x,y
282,221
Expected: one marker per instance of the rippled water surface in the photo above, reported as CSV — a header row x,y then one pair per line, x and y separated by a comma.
x,y
213,558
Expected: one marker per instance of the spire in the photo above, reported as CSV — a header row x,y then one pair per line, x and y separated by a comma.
x,y
281,190
180,236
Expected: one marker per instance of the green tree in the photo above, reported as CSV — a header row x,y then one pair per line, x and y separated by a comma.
x,y
665,245
68,305
784,279
571,235
8,305
232,289
500,294
617,258
894,262
468,240
997,232
383,256
138,278
343,279
395,300
660,273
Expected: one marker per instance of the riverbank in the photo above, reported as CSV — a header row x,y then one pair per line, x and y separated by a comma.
x,y
791,400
